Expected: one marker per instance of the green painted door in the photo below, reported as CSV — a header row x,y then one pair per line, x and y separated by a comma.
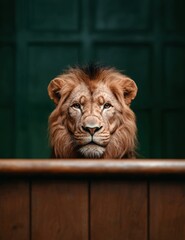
x,y
40,38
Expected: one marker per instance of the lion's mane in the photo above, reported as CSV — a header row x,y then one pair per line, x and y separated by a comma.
x,y
116,132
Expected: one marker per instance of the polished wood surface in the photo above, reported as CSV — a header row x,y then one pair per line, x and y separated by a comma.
x,y
14,210
167,210
59,210
119,210
33,207
92,167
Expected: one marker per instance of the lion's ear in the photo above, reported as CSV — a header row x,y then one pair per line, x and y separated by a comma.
x,y
54,88
129,90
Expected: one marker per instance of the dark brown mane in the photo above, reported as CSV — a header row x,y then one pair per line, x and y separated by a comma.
x,y
92,70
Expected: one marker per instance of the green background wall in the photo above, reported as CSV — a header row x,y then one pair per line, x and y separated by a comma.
x,y
40,38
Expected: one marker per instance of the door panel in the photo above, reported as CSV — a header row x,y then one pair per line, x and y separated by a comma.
x,y
119,15
47,15
7,99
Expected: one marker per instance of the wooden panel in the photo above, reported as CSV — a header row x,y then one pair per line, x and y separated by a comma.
x,y
38,132
144,119
7,133
118,211
174,15
54,15
46,62
174,72
7,16
167,211
7,74
14,210
59,210
119,15
173,134
7,98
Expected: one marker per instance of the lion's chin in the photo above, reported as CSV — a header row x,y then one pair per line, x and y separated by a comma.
x,y
92,151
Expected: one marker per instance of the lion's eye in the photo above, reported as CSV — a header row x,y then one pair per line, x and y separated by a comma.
x,y
76,105
107,105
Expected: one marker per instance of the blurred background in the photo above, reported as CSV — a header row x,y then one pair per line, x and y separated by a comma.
x,y
41,38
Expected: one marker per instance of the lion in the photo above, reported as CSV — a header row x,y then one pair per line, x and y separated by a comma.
x,y
92,118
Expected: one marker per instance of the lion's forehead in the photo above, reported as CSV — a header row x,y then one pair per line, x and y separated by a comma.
x,y
99,94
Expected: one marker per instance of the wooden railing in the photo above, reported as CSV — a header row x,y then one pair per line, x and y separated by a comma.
x,y
92,199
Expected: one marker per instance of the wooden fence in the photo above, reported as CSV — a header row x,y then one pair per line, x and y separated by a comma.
x,y
92,199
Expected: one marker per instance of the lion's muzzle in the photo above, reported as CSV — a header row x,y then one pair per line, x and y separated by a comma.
x,y
91,124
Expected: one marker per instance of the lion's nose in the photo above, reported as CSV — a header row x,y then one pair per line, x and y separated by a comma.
x,y
91,130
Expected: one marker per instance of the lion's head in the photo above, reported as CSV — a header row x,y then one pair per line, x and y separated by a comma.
x,y
92,118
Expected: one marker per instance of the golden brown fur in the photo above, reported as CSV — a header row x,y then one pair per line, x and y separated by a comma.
x,y
92,118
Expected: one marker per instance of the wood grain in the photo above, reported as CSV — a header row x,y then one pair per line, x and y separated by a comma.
x,y
59,210
118,210
167,211
95,167
14,210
